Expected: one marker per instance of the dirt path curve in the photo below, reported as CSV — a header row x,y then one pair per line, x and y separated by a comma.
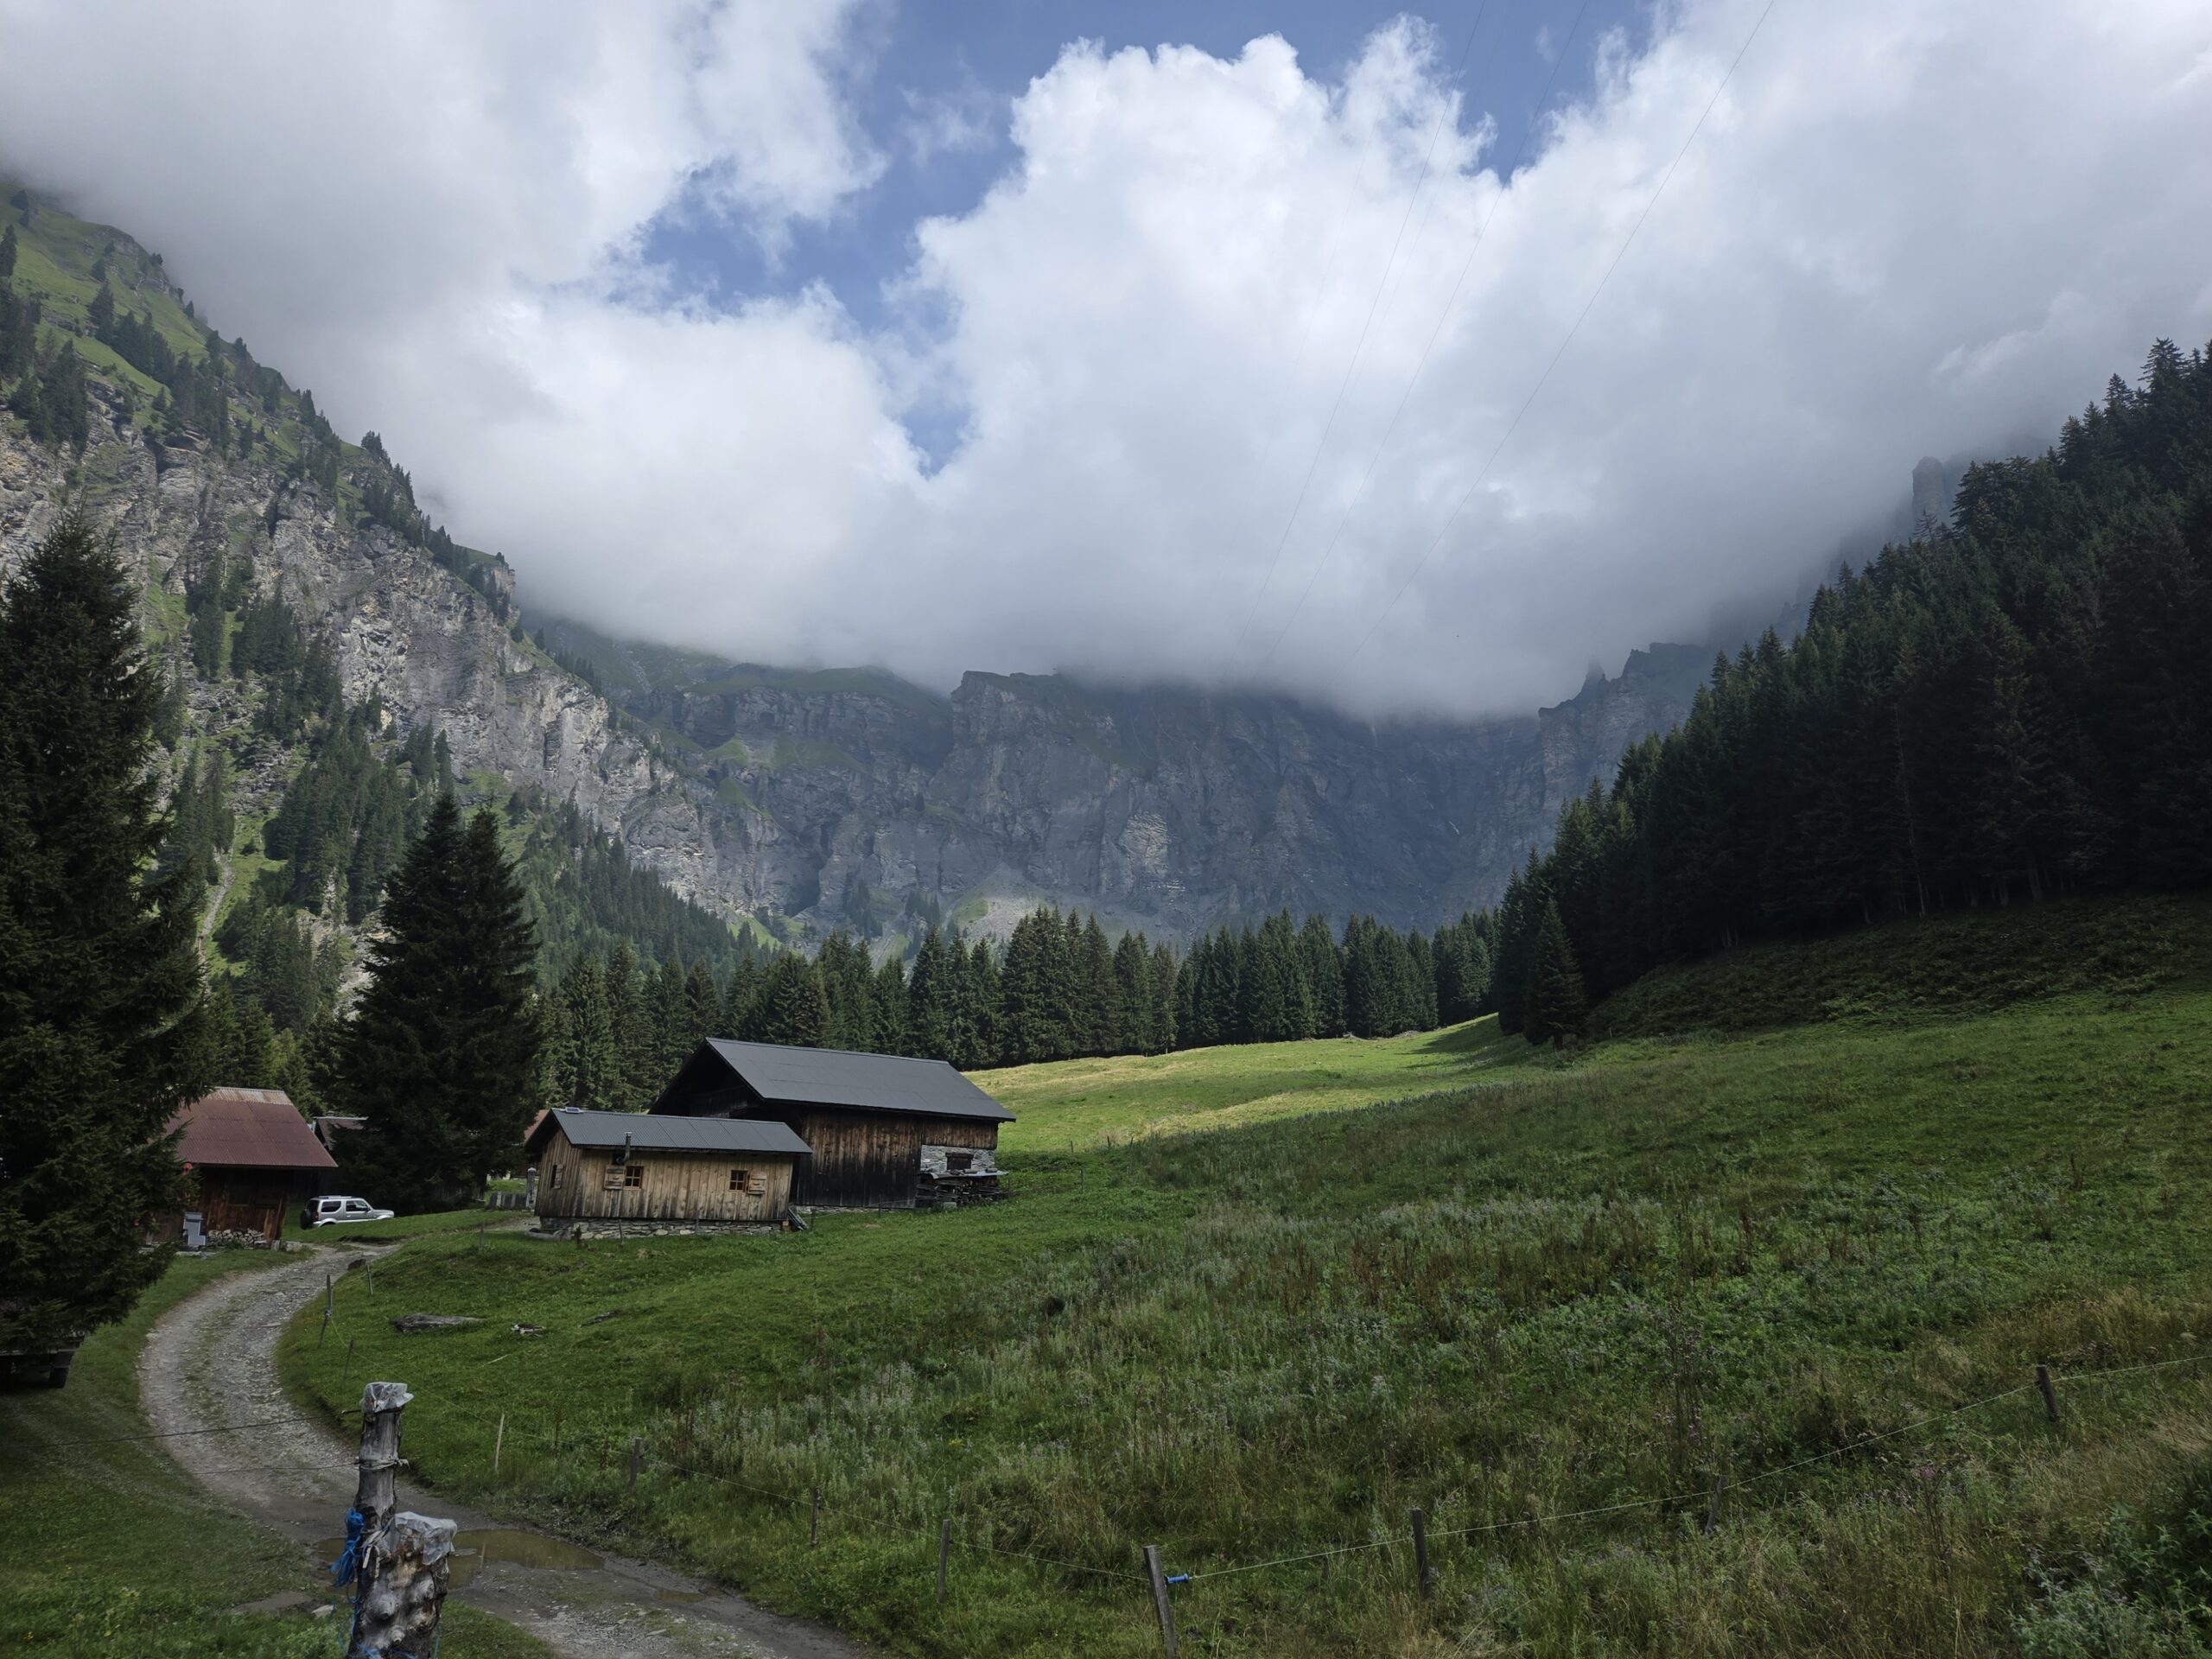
x,y
211,1363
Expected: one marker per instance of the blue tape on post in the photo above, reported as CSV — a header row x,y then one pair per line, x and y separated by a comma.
x,y
1178,1578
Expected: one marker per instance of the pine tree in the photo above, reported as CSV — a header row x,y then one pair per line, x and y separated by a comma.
x,y
102,1025
440,1052
887,1008
1321,966
792,1007
932,996
701,1006
1555,1005
7,255
739,1000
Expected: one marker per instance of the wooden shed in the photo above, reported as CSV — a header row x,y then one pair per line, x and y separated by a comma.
x,y
250,1159
624,1166
886,1131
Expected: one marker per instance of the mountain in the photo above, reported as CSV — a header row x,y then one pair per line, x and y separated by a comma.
x,y
803,800
853,798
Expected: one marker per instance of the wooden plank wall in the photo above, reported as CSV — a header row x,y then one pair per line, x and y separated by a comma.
x,y
867,1160
248,1200
678,1186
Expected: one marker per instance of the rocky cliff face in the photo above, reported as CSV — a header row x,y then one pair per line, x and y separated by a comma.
x,y
851,794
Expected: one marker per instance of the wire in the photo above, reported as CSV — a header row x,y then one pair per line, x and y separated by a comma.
x,y
2074,1380
1543,379
177,1433
1481,234
1360,345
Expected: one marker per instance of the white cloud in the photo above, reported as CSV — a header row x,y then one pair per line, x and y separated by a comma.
x,y
1903,230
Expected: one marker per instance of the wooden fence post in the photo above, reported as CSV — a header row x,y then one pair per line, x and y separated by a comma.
x,y
1713,1507
1160,1597
2049,1393
814,1521
499,1440
944,1550
1421,1551
402,1560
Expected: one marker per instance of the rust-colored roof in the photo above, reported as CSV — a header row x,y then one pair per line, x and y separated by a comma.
x,y
251,1129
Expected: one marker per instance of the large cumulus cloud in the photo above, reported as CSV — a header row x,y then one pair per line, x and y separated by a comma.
x,y
1171,338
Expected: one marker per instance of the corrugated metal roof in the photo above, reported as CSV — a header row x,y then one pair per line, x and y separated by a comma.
x,y
254,1129
646,1133
836,1077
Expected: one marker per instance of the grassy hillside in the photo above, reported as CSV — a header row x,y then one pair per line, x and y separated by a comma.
x,y
1934,967
1551,1306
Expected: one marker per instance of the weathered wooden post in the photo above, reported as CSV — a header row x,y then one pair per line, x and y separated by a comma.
x,y
2049,1393
499,1440
814,1521
398,1560
1421,1550
1713,1507
944,1550
399,1613
1159,1596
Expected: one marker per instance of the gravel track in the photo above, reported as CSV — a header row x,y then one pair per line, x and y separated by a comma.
x,y
211,1364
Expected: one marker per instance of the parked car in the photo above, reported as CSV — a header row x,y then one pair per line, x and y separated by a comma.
x,y
324,1211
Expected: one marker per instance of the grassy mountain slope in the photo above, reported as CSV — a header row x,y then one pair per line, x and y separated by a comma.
x,y
253,698
1822,1260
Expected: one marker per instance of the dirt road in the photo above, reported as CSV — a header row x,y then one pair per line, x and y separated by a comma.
x,y
211,1364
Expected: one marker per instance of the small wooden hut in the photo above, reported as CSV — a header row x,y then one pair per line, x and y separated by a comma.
x,y
624,1166
886,1131
250,1159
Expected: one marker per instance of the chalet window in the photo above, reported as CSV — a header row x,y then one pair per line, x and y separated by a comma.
x,y
554,1183
740,1179
958,1162
621,1174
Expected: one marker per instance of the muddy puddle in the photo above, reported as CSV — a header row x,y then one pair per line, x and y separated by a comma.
x,y
473,1551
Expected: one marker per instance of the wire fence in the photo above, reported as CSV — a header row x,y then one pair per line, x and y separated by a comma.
x,y
810,1501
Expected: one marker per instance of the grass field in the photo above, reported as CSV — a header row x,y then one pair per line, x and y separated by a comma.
x,y
107,1548
1537,1289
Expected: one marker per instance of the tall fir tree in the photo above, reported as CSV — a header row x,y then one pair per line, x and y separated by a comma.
x,y
792,1008
102,1025
440,1052
1554,1003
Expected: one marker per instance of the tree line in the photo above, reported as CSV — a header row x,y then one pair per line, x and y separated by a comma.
x,y
2010,706
617,1027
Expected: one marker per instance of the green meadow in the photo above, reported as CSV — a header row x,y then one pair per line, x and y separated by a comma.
x,y
1274,1299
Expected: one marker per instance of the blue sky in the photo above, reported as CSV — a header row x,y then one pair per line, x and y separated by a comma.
x,y
967,59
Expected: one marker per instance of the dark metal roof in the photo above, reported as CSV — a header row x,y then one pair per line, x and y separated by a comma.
x,y
644,1134
253,1129
836,1077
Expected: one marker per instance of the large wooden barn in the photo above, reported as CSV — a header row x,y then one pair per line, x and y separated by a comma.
x,y
250,1159
886,1131
626,1167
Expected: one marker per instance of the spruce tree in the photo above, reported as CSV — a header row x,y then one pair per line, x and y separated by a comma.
x,y
932,995
1554,1002
887,1008
102,1024
792,1008
440,1052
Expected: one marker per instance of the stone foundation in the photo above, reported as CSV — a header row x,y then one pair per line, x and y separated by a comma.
x,y
573,1228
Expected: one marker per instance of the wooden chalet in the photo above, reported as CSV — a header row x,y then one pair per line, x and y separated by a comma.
x,y
250,1159
624,1166
886,1131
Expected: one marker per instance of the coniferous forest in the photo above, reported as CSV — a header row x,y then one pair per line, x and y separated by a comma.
x,y
618,1027
2009,707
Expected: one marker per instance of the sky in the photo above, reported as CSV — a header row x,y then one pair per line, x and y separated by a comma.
x,y
1409,361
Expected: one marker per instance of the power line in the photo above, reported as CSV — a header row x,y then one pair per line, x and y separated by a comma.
x,y
1481,234
1498,448
1382,287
